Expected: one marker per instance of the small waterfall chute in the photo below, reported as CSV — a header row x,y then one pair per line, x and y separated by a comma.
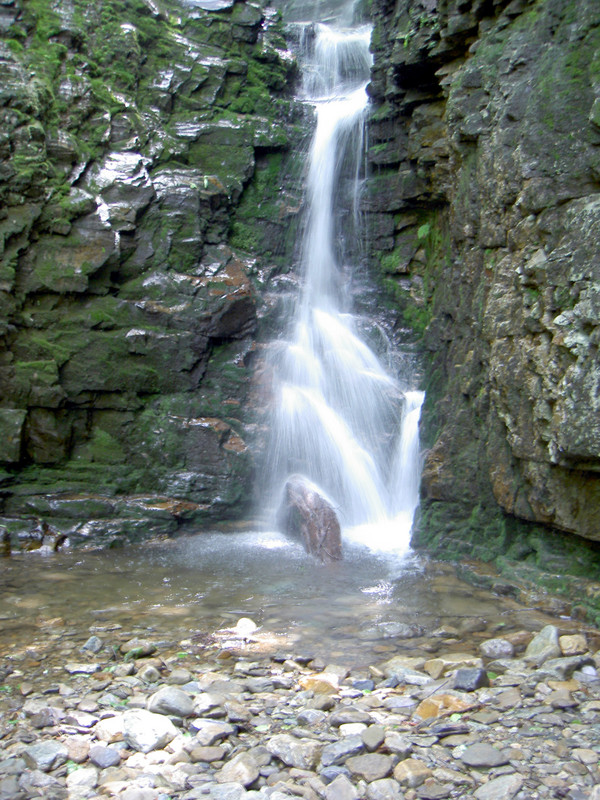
x,y
340,417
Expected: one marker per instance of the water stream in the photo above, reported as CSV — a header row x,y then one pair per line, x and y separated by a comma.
x,y
341,417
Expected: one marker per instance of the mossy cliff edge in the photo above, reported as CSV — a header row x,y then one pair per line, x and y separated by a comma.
x,y
129,133
485,223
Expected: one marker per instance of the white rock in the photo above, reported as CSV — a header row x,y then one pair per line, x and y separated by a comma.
x,y
301,753
110,730
84,778
145,731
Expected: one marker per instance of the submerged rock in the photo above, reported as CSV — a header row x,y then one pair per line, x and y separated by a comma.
x,y
306,514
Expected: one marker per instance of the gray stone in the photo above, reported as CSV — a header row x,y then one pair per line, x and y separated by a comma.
x,y
45,755
338,752
224,791
82,669
384,789
371,766
209,732
496,648
469,680
93,644
543,646
373,736
347,714
301,753
84,778
144,731
104,757
411,772
398,744
241,769
311,716
341,789
503,788
483,755
172,701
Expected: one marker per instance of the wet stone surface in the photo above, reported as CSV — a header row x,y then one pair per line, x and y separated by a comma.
x,y
116,710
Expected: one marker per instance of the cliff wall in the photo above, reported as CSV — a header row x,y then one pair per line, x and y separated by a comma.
x,y
485,220
129,132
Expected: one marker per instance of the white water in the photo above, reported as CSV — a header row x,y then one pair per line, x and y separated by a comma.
x,y
341,419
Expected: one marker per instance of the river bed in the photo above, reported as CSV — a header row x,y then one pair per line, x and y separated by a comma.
x,y
193,588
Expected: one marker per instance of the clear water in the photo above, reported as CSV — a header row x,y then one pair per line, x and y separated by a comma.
x,y
188,589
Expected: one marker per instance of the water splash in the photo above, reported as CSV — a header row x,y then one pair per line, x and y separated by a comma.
x,y
340,418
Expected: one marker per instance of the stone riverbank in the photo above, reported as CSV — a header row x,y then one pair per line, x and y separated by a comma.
x,y
225,718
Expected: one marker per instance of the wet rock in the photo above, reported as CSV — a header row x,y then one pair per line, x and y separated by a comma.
x,y
45,755
144,731
137,648
306,514
301,753
171,701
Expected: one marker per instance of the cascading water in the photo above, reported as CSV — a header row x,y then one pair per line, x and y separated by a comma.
x,y
340,419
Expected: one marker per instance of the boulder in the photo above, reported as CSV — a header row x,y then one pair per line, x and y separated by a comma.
x,y
307,514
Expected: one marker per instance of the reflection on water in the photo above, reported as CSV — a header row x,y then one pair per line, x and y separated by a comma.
x,y
182,588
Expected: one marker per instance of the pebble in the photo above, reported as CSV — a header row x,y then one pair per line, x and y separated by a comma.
x,y
490,726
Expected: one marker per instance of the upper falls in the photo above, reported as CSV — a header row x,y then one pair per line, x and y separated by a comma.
x,y
340,416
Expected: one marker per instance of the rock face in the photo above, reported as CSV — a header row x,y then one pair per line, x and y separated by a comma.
x,y
306,514
133,136
485,217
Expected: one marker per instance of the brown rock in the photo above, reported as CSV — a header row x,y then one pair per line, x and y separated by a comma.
x,y
306,514
439,704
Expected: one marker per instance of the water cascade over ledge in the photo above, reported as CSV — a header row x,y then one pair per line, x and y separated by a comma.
x,y
341,419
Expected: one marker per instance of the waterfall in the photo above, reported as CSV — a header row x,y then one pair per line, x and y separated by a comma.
x,y
340,416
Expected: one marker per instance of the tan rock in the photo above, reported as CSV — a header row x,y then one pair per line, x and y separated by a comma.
x,y
110,730
571,685
574,645
321,683
411,773
436,667
440,704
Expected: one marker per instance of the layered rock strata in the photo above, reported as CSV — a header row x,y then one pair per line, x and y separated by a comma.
x,y
485,218
129,133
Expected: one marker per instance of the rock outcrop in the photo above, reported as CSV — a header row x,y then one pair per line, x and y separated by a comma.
x,y
129,134
307,515
485,217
